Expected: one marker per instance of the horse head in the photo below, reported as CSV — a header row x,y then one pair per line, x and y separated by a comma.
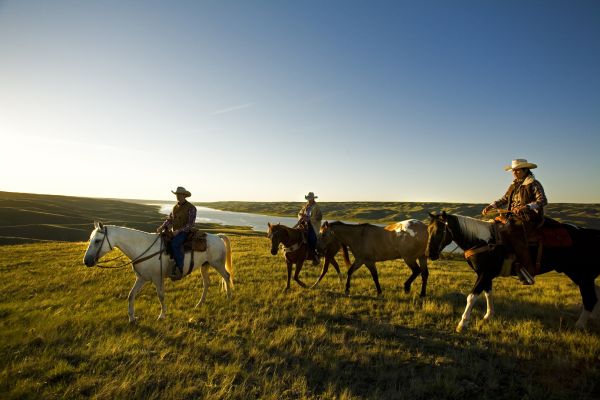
x,y
325,238
99,245
277,234
439,235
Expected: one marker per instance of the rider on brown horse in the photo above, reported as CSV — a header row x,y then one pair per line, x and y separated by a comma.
x,y
525,201
310,217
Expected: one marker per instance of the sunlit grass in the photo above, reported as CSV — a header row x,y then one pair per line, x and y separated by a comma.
x,y
64,333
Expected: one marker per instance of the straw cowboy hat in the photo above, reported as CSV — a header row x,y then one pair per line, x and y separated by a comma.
x,y
311,195
520,163
181,190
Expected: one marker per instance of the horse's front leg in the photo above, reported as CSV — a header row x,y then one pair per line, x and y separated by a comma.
x,y
160,292
337,268
373,270
489,299
323,272
416,271
471,299
356,265
424,275
297,273
137,286
289,274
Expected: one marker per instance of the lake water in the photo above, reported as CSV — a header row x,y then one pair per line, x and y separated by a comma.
x,y
256,221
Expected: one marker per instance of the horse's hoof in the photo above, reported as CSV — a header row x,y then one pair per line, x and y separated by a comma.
x,y
580,326
132,321
406,289
422,295
161,317
347,293
460,328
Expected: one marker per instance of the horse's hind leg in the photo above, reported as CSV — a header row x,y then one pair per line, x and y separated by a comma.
x,y
205,284
137,286
373,269
587,288
289,275
297,274
337,269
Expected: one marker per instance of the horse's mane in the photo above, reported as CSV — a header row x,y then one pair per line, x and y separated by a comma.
x,y
129,229
473,229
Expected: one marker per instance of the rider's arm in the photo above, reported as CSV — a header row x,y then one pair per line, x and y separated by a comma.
x,y
540,197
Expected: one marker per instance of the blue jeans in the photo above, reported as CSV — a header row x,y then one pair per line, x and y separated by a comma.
x,y
177,248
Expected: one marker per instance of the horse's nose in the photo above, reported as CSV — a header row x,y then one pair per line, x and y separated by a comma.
x,y
273,252
88,261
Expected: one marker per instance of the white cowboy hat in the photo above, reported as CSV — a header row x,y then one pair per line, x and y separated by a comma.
x,y
311,195
181,190
520,163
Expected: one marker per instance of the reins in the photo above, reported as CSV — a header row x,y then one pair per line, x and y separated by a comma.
x,y
136,260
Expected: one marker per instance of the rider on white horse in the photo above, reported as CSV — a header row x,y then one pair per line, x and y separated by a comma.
x,y
179,223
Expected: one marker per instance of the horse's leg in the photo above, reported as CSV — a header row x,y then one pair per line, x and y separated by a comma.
x,y
205,284
323,272
424,275
587,288
297,273
373,269
337,268
289,274
160,292
137,286
489,299
596,312
416,271
471,299
356,265
225,281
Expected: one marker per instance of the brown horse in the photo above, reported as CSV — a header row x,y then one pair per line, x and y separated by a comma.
x,y
370,243
296,251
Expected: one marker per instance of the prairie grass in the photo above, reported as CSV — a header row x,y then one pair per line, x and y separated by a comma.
x,y
64,334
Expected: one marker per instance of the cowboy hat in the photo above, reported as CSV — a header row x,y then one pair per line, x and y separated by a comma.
x,y
520,163
181,190
311,195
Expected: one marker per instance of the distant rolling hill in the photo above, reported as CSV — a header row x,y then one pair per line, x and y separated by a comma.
x,y
26,218
587,215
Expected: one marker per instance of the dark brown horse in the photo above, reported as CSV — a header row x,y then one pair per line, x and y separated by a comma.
x,y
370,243
296,251
578,260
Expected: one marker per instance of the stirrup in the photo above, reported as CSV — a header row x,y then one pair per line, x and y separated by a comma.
x,y
525,277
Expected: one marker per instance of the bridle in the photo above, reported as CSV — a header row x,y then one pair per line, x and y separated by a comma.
x,y
443,241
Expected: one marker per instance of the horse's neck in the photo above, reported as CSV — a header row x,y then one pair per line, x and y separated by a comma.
x,y
346,234
469,232
131,242
294,235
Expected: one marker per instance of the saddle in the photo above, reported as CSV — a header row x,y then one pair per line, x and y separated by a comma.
x,y
195,241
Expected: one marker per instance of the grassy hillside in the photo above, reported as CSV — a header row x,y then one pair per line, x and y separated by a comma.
x,y
26,218
587,215
64,334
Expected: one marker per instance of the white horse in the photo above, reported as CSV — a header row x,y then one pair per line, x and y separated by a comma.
x,y
150,264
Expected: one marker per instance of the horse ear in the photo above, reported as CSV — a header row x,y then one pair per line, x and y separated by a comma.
x,y
100,226
96,224
326,224
444,215
432,216
269,224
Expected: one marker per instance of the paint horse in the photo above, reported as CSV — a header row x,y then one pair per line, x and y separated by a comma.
x,y
295,251
146,250
579,260
370,243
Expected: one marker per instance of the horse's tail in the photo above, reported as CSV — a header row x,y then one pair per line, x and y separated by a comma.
x,y
346,255
228,258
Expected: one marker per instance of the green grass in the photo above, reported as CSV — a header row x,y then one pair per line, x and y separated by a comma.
x,y
64,334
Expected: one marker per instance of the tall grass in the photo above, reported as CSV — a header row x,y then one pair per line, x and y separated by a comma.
x,y
64,334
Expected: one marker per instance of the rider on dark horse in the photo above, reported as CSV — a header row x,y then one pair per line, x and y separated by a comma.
x,y
525,201
309,218
178,225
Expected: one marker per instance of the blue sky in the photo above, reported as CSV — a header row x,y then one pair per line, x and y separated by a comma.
x,y
267,100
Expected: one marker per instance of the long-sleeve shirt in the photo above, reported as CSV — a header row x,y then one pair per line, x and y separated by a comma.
x,y
180,222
